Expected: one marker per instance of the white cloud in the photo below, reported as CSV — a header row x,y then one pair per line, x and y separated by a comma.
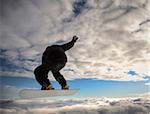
x,y
147,84
77,106
9,92
146,95
114,35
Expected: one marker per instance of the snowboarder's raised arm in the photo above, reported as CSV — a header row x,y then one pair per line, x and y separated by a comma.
x,y
70,44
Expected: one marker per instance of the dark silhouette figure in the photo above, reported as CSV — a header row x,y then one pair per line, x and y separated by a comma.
x,y
53,59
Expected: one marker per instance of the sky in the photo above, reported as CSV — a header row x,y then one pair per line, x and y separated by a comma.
x,y
110,59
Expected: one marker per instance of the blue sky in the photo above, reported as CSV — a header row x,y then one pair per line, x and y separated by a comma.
x,y
88,87
113,44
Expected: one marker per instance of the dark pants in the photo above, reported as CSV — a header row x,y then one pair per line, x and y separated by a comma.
x,y
41,75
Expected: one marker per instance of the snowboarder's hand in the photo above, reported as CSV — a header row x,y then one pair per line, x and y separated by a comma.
x,y
75,38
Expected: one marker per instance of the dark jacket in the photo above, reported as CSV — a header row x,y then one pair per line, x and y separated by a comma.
x,y
55,54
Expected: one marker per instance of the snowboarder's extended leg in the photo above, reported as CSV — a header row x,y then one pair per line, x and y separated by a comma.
x,y
61,80
59,77
46,85
41,76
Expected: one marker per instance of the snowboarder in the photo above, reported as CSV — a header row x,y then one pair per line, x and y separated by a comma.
x,y
53,59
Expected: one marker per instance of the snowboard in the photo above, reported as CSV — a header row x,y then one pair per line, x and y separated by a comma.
x,y
36,93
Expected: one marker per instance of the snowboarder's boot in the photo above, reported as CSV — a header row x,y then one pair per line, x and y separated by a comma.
x,y
66,87
50,87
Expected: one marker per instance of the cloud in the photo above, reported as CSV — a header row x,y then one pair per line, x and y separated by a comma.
x,y
147,84
9,92
113,35
78,106
147,94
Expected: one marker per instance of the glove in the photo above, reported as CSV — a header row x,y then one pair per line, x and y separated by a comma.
x,y
75,38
